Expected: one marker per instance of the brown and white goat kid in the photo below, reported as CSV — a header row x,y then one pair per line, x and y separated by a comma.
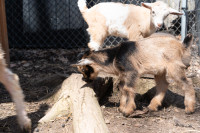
x,y
11,83
160,54
123,20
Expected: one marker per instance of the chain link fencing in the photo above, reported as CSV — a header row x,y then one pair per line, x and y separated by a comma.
x,y
43,24
193,21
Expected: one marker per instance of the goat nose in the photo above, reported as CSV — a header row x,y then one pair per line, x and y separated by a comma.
x,y
159,25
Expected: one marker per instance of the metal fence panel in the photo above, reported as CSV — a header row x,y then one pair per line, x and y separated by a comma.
x,y
43,24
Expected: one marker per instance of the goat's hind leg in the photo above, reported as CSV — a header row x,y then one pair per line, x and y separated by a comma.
x,y
186,84
11,83
177,72
161,88
189,95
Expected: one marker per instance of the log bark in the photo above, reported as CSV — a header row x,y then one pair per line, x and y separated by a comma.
x,y
78,97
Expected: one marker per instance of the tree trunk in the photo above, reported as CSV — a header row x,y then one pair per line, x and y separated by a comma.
x,y
78,97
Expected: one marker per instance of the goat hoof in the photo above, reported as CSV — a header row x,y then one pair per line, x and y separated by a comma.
x,y
152,108
189,110
126,112
26,128
121,109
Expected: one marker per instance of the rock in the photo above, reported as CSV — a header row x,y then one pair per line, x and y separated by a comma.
x,y
107,121
26,64
63,125
137,125
37,130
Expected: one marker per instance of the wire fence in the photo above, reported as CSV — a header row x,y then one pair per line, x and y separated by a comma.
x,y
193,22
59,23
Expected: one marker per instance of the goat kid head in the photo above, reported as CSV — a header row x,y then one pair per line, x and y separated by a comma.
x,y
86,67
159,11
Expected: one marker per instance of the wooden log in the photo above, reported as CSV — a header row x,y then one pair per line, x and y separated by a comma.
x,y
78,97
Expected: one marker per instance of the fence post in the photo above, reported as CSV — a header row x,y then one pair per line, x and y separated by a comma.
x,y
197,8
3,31
183,20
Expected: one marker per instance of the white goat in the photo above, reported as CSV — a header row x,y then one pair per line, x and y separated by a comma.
x,y
11,83
123,20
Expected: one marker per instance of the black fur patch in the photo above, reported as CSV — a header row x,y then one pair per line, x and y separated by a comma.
x,y
126,50
121,53
184,79
110,53
88,71
187,40
131,78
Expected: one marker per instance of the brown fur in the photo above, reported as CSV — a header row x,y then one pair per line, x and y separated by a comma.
x,y
159,54
137,27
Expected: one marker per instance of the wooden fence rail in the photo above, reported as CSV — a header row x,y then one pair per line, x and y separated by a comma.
x,y
3,31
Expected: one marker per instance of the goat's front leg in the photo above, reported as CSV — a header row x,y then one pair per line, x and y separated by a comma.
x,y
130,103
97,36
11,82
123,98
161,88
127,103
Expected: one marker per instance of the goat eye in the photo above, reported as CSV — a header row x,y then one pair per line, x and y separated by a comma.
x,y
83,70
153,12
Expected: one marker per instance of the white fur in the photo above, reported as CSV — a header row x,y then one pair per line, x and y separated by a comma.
x,y
95,46
11,83
115,15
160,13
82,4
84,62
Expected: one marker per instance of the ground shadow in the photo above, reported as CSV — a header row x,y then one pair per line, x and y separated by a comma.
x,y
171,99
9,124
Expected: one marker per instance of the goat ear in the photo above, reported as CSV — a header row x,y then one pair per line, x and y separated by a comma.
x,y
82,62
146,5
187,42
174,12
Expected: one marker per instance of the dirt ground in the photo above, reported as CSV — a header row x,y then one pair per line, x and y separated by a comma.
x,y
42,71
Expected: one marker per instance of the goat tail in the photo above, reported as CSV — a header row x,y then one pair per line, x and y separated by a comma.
x,y
188,41
186,57
82,5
